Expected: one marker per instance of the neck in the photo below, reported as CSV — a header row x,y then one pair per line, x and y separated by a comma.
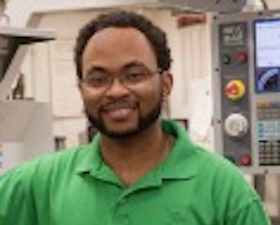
x,y
132,158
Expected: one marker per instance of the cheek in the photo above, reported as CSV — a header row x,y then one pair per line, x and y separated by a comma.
x,y
152,97
91,101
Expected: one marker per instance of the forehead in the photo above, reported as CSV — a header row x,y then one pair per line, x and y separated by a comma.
x,y
118,46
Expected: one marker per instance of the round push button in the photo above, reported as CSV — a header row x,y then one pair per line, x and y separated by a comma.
x,y
245,160
235,89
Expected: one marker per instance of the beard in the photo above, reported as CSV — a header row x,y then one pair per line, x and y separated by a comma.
x,y
143,123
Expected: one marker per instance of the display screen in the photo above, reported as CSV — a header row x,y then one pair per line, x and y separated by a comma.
x,y
267,55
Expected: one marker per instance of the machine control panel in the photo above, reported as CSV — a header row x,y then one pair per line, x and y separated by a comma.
x,y
246,52
235,102
268,131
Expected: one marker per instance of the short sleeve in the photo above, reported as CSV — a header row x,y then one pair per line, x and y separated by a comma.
x,y
16,205
252,213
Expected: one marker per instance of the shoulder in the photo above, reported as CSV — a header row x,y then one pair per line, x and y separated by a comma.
x,y
230,187
211,162
222,173
44,165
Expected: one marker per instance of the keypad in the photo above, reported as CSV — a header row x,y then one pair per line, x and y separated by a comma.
x,y
269,152
268,131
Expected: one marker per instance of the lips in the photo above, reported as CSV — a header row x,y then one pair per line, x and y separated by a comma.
x,y
119,111
119,114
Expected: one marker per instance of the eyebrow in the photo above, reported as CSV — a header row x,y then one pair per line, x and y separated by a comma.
x,y
126,66
134,63
95,68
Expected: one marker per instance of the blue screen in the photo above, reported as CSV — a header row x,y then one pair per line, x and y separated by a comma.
x,y
267,55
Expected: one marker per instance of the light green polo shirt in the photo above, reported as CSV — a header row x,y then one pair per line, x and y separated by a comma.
x,y
75,187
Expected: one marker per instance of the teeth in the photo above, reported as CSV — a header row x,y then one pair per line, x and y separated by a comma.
x,y
120,113
116,106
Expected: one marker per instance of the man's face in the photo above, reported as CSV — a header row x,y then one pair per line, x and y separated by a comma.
x,y
124,107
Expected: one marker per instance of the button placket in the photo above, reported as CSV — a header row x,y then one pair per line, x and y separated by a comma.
x,y
121,214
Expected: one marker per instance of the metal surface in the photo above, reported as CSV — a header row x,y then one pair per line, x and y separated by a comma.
x,y
207,5
26,35
200,5
195,5
25,126
25,132
232,34
12,50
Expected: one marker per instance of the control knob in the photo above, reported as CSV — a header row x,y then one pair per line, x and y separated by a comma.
x,y
236,125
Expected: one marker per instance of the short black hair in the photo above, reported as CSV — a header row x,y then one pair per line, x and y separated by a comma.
x,y
122,19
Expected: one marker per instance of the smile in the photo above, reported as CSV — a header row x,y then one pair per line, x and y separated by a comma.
x,y
119,113
119,110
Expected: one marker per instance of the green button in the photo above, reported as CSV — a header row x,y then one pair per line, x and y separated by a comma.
x,y
226,59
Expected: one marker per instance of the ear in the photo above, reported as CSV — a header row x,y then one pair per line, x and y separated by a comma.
x,y
167,82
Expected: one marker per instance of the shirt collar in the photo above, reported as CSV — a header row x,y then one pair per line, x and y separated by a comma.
x,y
180,164
90,156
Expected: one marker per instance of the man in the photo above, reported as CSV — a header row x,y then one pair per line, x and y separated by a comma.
x,y
139,169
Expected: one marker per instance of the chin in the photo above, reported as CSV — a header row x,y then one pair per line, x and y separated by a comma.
x,y
127,128
121,132
120,135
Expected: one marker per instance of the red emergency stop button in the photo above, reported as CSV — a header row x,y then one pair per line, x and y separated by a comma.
x,y
235,89
241,57
245,160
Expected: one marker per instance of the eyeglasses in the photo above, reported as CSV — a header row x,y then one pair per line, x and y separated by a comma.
x,y
129,77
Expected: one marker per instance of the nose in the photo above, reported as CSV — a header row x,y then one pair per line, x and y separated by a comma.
x,y
117,89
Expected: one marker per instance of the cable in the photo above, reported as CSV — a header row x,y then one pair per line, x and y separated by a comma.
x,y
265,6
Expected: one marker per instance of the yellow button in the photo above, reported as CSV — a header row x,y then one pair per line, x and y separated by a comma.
x,y
235,89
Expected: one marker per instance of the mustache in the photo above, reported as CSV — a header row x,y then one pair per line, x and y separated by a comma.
x,y
112,105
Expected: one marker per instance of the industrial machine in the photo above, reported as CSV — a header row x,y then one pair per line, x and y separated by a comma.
x,y
199,5
246,77
247,103
25,125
